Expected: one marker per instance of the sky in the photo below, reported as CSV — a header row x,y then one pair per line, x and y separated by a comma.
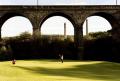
x,y
16,25
59,2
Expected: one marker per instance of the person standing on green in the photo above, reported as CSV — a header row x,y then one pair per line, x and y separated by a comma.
x,y
61,57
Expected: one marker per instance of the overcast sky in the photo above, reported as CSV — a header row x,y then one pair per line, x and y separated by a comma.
x,y
59,2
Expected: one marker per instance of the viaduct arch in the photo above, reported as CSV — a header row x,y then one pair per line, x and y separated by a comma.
x,y
76,14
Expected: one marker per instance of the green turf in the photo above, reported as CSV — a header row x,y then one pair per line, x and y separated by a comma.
x,y
53,70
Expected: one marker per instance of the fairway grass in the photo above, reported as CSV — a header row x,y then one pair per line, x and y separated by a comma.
x,y
53,70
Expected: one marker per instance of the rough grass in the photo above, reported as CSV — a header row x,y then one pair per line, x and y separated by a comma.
x,y
53,70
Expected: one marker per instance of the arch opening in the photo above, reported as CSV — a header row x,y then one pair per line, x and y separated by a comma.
x,y
57,25
15,25
96,24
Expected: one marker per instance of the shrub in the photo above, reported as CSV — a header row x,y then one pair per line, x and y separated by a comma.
x,y
5,53
97,35
99,47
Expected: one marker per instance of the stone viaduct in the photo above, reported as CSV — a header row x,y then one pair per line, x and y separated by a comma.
x,y
76,14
